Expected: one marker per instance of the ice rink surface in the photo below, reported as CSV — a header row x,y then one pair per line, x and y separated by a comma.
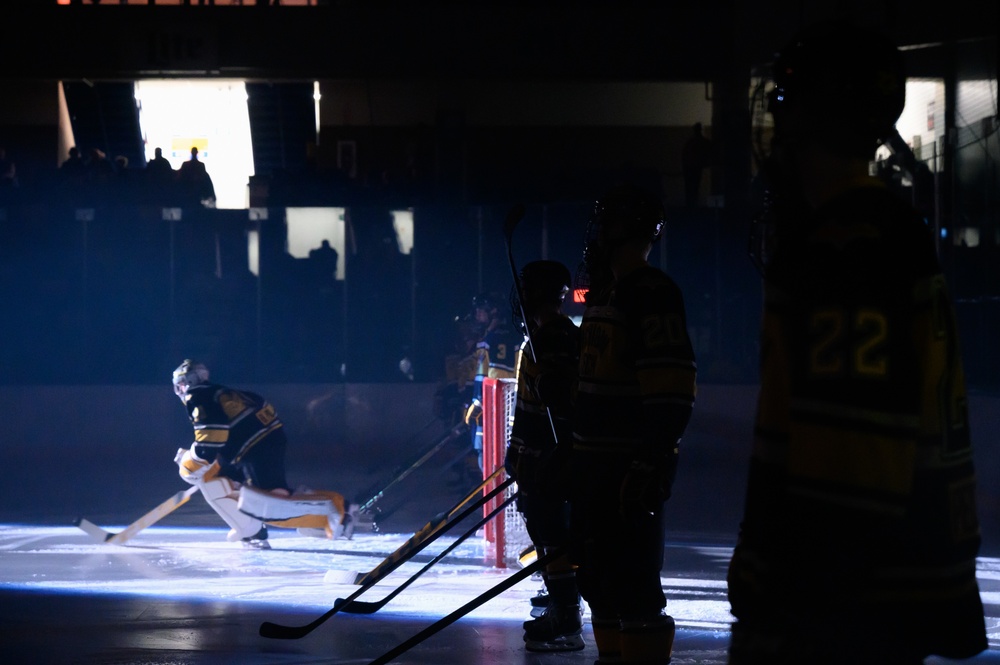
x,y
179,594
182,594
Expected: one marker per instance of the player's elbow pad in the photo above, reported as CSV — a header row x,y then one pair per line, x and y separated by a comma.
x,y
473,413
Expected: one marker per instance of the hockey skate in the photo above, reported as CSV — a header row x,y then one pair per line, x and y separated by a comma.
x,y
540,602
349,520
258,541
560,628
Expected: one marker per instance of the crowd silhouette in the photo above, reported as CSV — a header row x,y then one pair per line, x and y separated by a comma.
x,y
93,176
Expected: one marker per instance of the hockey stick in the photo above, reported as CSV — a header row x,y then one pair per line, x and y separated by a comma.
x,y
514,217
488,595
372,468
381,514
402,471
433,529
393,561
150,518
362,607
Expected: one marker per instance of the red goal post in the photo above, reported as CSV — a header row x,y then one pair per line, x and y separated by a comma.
x,y
505,535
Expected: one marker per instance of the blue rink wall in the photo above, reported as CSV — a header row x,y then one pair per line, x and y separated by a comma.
x,y
107,451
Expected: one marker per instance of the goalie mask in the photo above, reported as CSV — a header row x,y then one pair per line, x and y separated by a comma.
x,y
190,373
625,214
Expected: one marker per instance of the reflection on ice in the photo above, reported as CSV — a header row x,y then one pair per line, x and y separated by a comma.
x,y
197,564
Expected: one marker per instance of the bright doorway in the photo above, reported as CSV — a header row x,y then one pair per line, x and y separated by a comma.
x,y
212,115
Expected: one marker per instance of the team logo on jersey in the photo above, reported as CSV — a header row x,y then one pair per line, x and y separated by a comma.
x,y
232,404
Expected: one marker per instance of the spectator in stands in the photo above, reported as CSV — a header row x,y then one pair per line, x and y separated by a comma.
x,y
696,156
158,169
100,170
74,166
195,180
324,262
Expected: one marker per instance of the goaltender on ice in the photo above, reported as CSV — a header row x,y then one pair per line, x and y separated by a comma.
x,y
237,460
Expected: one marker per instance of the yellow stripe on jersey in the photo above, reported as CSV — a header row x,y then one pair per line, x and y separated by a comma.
x,y
256,438
211,435
852,458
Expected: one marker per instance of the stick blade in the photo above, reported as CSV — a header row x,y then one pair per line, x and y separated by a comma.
x,y
98,534
334,576
360,607
276,631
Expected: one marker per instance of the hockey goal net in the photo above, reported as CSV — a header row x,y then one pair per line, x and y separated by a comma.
x,y
506,536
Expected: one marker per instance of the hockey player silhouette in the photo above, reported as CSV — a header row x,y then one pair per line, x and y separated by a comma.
x,y
860,502
538,452
634,397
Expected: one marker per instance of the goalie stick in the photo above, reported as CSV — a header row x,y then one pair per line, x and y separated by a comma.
x,y
487,595
362,607
155,515
404,553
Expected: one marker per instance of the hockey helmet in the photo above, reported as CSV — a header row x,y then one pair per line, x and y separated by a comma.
x,y
190,373
542,282
485,301
626,213
545,281
845,81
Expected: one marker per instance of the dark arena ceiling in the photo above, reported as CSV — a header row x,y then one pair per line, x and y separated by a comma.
x,y
677,41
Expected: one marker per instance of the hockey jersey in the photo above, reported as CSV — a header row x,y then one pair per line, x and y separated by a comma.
x,y
228,423
637,368
861,488
497,353
547,384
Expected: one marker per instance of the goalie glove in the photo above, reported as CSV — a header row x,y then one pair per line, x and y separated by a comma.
x,y
193,469
647,484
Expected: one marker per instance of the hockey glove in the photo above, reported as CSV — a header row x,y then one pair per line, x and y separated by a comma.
x,y
512,462
647,485
193,469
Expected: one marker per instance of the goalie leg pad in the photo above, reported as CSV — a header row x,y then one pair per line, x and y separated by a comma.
x,y
222,495
269,507
314,526
332,525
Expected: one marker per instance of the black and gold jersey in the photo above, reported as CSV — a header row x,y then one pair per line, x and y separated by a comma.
x,y
227,422
546,384
637,372
861,455
497,352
